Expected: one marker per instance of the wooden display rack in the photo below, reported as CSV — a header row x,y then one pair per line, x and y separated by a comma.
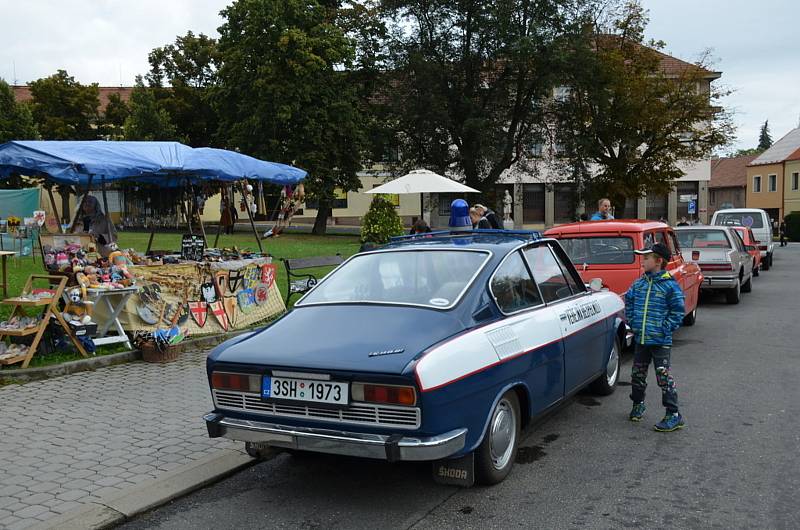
x,y
49,308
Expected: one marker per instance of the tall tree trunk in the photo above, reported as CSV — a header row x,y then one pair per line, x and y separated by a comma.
x,y
321,222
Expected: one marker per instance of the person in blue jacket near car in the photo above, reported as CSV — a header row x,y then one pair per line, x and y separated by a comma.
x,y
654,309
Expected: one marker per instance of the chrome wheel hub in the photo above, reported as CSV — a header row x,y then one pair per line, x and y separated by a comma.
x,y
502,433
612,368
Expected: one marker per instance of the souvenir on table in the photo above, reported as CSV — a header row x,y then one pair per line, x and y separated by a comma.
x,y
268,274
199,312
231,305
221,283
119,268
247,300
251,277
192,247
208,293
39,217
78,310
233,280
218,310
262,294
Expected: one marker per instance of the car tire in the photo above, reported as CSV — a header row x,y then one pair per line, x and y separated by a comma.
x,y
691,318
766,262
607,382
495,456
756,268
733,295
748,285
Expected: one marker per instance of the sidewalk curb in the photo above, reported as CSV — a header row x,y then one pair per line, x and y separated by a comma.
x,y
26,375
115,510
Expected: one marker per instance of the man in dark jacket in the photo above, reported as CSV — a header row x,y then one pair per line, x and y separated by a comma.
x,y
654,309
494,221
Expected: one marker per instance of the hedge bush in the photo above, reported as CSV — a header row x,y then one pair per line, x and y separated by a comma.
x,y
793,226
381,222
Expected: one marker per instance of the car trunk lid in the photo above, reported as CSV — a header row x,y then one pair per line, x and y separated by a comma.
x,y
357,338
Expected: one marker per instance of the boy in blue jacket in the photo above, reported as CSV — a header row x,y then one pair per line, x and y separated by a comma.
x,y
654,309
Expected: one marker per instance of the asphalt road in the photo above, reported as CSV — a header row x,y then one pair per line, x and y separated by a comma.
x,y
735,465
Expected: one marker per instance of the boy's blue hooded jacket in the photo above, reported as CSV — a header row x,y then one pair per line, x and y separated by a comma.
x,y
654,308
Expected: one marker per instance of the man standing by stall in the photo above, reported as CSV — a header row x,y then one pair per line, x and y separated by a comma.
x,y
98,225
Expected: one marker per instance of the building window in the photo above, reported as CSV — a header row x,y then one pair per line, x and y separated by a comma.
x,y
773,183
445,200
757,184
795,178
533,203
564,203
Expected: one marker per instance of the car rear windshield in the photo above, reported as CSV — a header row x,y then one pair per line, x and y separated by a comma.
x,y
433,278
750,220
598,250
703,239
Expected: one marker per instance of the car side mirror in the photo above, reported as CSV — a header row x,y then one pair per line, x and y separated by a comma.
x,y
596,285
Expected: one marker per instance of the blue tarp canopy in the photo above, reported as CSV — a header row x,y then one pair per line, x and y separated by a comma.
x,y
160,163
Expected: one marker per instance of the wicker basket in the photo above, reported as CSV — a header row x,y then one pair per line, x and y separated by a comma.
x,y
151,353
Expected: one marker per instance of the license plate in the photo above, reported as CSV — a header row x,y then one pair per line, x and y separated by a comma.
x,y
330,392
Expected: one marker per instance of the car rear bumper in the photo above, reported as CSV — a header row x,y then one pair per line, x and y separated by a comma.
x,y
719,282
394,447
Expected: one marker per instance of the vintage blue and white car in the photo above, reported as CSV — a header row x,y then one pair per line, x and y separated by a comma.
x,y
438,348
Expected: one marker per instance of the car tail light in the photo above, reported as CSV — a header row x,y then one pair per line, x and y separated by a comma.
x,y
716,266
392,394
233,381
762,247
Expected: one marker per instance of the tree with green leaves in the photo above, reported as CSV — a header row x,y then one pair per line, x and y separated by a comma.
x,y
284,92
64,109
764,138
471,79
381,222
146,120
628,126
16,120
181,75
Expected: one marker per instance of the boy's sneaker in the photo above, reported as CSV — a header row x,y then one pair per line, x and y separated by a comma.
x,y
671,422
637,412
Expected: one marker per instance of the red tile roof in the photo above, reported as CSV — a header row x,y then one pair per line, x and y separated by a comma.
x,y
671,66
22,93
730,172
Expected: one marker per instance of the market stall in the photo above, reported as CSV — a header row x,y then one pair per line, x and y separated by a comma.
x,y
191,290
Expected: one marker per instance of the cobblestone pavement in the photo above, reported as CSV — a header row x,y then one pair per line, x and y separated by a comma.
x,y
79,438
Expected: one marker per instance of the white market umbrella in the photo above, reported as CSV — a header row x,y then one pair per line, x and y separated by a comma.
x,y
422,181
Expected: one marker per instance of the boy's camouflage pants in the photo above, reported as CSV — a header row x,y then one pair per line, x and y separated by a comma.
x,y
659,355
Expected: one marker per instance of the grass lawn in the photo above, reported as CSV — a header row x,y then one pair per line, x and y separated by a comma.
x,y
285,246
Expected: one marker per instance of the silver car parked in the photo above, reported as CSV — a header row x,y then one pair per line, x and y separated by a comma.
x,y
722,256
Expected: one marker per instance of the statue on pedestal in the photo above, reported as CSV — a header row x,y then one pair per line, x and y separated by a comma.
x,y
507,200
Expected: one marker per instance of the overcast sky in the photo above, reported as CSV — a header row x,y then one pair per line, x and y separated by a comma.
x,y
756,45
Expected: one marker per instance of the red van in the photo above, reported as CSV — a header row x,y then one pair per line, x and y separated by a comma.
x,y
604,249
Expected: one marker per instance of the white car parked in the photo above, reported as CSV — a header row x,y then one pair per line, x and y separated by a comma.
x,y
755,219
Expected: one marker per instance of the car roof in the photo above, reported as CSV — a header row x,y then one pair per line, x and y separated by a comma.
x,y
496,241
704,227
740,210
613,226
